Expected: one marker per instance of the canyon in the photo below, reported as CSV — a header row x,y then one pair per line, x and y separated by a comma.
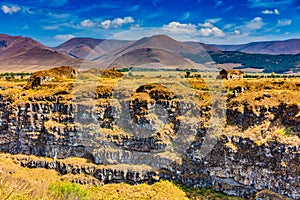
x,y
149,132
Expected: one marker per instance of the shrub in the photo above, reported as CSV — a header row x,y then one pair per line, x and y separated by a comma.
x,y
67,190
283,132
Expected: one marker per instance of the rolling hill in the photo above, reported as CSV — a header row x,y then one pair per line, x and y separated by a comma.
x,y
19,53
153,58
291,46
88,48
163,42
158,49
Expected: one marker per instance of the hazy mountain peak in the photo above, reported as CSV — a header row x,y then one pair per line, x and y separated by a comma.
x,y
88,48
24,53
291,46
19,53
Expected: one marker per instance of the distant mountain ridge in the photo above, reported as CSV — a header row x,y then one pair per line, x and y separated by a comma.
x,y
157,50
19,53
291,46
88,48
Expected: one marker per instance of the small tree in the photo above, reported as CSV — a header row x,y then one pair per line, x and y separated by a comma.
x,y
273,75
187,74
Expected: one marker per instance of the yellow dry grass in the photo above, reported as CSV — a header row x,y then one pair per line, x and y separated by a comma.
x,y
255,134
21,183
163,190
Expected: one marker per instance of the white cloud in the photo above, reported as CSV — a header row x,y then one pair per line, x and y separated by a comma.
x,y
214,20
219,3
211,31
229,26
248,28
25,27
268,3
284,22
53,27
255,24
271,12
135,34
88,23
206,24
176,30
58,15
10,10
135,27
64,37
185,16
231,37
117,22
209,23
120,21
106,24
207,29
267,12
180,28
237,32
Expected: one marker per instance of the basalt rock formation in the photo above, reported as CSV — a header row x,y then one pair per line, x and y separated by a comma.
x,y
40,77
109,132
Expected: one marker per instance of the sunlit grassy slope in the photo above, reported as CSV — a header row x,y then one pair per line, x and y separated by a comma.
x,y
19,183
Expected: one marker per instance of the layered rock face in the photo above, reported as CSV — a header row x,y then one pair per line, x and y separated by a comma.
x,y
151,126
40,77
250,168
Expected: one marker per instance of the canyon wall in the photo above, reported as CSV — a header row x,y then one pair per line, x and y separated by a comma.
x,y
59,127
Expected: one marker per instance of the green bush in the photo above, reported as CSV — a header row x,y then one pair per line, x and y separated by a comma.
x,y
67,190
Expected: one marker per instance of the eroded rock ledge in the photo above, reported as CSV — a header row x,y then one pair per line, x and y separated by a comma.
x,y
237,165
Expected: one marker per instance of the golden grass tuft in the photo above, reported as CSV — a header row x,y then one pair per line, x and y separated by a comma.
x,y
21,183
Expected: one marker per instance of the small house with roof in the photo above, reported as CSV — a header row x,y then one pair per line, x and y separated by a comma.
x,y
231,74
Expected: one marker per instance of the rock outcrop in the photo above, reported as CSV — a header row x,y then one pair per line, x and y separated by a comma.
x,y
59,127
41,77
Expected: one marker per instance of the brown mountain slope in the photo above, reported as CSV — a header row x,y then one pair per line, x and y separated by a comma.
x,y
206,47
164,50
291,46
14,45
147,57
165,43
88,48
25,54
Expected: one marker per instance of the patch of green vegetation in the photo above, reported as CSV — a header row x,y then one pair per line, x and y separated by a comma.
x,y
15,77
270,63
283,132
15,74
198,58
67,190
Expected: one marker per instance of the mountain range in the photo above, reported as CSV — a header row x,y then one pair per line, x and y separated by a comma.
x,y
88,48
291,46
19,53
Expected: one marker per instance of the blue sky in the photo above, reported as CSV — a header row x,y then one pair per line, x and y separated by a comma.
x,y
210,21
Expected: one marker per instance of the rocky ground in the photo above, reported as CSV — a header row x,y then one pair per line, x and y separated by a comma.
x,y
238,137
